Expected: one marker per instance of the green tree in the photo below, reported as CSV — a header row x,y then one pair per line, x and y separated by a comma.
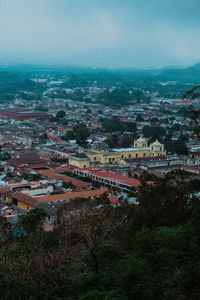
x,y
154,132
89,111
117,97
33,220
60,114
112,124
176,146
41,108
113,141
139,118
81,133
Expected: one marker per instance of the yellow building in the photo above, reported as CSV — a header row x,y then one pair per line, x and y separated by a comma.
x,y
79,160
141,150
5,195
157,149
23,201
100,155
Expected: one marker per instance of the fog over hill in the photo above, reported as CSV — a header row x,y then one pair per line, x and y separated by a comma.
x,y
190,74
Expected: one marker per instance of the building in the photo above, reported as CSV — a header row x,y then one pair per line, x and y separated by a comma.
x,y
108,179
20,114
57,174
27,202
100,155
80,160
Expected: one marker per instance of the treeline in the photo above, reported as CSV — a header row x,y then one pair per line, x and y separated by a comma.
x,y
13,83
112,252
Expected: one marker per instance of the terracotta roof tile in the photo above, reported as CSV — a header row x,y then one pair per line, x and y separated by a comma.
x,y
66,196
25,198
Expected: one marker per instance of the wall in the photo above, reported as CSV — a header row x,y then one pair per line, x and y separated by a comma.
x,y
24,206
80,164
38,192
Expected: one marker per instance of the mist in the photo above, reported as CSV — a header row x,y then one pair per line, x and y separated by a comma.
x,y
128,33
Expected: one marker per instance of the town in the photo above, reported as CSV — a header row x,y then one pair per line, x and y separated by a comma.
x,y
63,138
99,150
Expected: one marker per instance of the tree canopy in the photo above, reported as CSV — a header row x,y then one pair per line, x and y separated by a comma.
x,y
149,250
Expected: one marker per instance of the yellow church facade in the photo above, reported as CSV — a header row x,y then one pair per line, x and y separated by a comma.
x,y
101,156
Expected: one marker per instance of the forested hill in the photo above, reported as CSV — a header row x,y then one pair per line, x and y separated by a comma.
x,y
103,252
191,74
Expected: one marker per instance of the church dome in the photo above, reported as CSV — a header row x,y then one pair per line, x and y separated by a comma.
x,y
101,147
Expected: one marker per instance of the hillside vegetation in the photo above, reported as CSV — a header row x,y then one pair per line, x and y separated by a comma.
x,y
100,251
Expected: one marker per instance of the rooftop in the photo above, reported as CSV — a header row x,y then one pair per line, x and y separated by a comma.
x,y
112,176
66,196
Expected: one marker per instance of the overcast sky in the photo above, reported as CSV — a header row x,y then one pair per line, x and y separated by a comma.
x,y
100,33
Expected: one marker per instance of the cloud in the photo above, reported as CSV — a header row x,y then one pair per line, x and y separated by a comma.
x,y
101,33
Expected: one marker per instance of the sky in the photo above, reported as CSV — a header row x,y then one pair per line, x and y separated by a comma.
x,y
100,33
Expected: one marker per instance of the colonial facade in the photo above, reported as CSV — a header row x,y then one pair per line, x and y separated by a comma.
x,y
100,155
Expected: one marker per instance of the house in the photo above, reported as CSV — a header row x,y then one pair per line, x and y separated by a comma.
x,y
27,202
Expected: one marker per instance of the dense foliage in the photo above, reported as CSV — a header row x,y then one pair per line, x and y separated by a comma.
x,y
98,251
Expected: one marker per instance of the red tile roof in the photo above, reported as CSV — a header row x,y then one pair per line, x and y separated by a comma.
x,y
67,196
112,176
25,198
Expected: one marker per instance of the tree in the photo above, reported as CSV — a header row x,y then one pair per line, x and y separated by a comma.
x,y
60,114
89,111
43,138
69,135
131,127
193,112
154,132
4,229
154,120
117,97
139,118
68,185
92,221
33,220
112,124
113,141
81,133
65,122
41,108
165,203
139,95
194,185
175,127
178,146
53,119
